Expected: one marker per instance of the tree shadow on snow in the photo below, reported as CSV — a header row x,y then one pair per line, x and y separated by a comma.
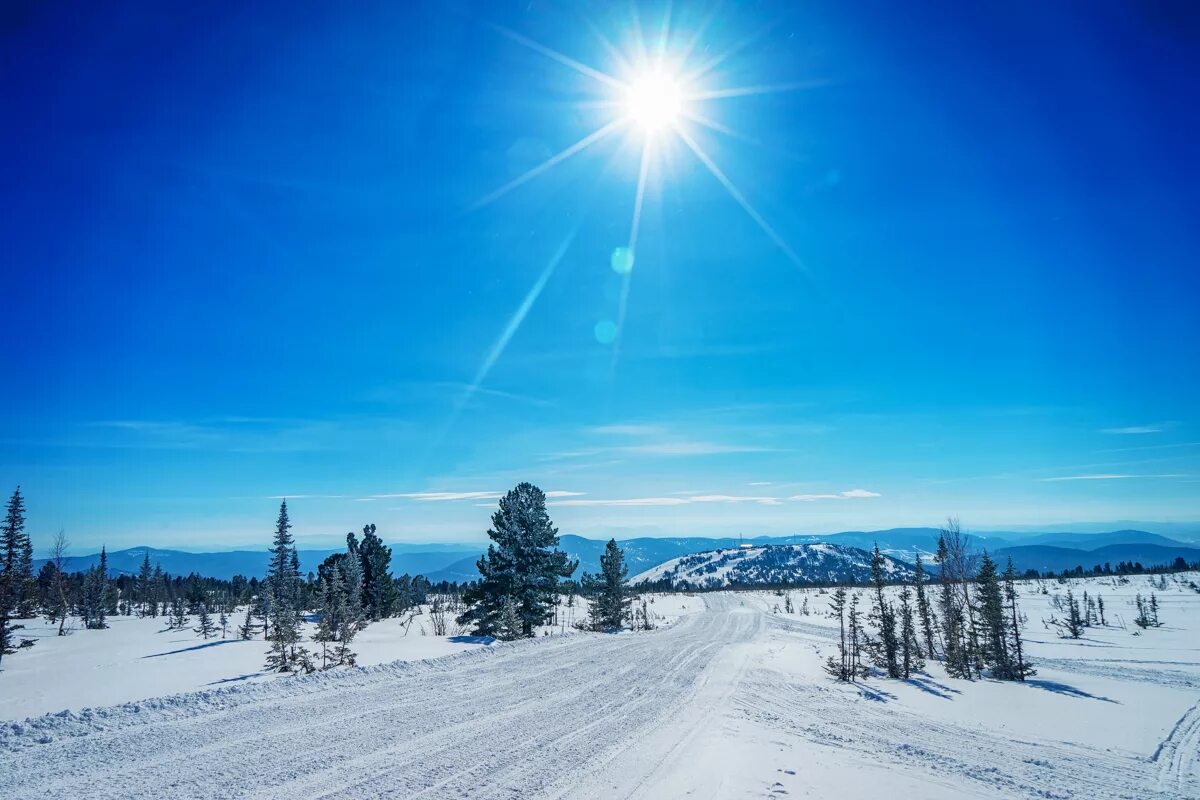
x,y
878,695
200,646
1069,691
932,687
472,639
247,676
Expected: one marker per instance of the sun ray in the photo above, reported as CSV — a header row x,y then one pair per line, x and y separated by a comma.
x,y
501,344
770,88
615,54
704,69
713,125
664,33
701,29
741,200
634,228
561,156
565,60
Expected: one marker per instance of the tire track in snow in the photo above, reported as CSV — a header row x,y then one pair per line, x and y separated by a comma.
x,y
1177,755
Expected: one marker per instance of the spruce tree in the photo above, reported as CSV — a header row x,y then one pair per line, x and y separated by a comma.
x,y
911,658
145,585
204,623
223,622
246,629
1019,667
923,607
379,591
332,615
522,566
992,617
885,650
350,566
854,620
17,589
610,603
1074,618
283,587
956,657
838,666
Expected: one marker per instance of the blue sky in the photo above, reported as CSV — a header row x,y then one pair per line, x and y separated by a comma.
x,y
246,257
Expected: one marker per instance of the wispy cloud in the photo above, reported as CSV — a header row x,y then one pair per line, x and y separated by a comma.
x,y
1109,476
686,498
760,483
851,494
443,497
627,430
1134,430
691,448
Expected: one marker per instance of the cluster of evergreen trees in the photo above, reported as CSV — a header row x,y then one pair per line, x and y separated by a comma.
x,y
971,623
18,593
522,574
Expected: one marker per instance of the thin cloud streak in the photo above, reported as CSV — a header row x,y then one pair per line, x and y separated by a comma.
x,y
1110,477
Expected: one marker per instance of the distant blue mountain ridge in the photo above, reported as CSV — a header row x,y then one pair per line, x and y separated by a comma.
x,y
456,562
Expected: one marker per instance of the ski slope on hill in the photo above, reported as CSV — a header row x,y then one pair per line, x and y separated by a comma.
x,y
727,702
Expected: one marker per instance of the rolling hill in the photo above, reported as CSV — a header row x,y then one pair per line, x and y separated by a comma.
x,y
771,565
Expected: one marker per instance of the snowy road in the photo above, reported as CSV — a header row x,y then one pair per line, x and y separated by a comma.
x,y
697,709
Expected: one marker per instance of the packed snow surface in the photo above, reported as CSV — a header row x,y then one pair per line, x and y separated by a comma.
x,y
729,701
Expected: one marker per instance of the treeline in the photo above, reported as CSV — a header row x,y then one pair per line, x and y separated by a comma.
x,y
94,595
968,619
1180,564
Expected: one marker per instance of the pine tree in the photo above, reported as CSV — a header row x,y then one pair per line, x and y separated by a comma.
x,y
955,653
160,591
994,650
838,666
283,586
223,622
145,585
246,629
1100,607
352,579
911,658
94,603
1019,667
854,618
332,616
204,622
885,650
509,623
522,566
923,608
379,591
610,603
179,615
16,572
1074,618
1154,610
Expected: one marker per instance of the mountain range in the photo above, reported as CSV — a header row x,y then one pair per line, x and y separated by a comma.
x,y
456,562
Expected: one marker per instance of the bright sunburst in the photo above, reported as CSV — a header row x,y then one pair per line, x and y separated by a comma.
x,y
654,101
658,97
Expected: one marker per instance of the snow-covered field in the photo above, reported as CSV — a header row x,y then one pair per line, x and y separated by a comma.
x,y
728,702
135,658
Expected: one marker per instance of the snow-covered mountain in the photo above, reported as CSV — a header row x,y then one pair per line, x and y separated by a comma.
x,y
771,565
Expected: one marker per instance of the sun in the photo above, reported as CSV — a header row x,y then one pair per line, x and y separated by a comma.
x,y
654,101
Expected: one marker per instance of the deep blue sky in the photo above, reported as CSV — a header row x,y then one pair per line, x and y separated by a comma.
x,y
241,261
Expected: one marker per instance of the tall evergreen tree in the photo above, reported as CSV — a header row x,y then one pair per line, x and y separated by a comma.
x,y
352,579
610,601
924,611
1020,667
885,650
839,666
145,585
379,591
956,657
1074,621
283,586
16,570
994,649
522,566
94,606
911,658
